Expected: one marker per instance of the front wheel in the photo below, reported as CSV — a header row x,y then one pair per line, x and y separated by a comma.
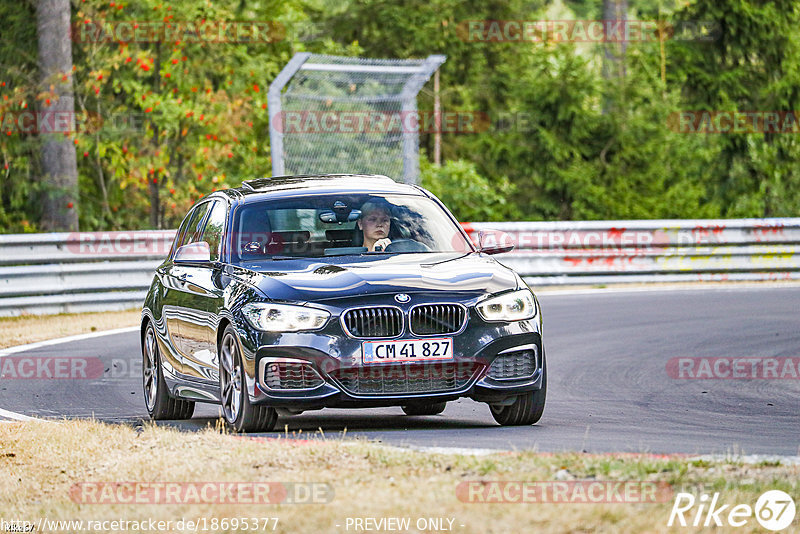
x,y
527,409
238,411
160,406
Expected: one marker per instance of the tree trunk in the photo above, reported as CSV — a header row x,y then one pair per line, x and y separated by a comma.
x,y
437,117
613,64
154,181
60,199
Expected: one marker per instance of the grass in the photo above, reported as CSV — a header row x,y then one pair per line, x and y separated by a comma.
x,y
32,328
40,463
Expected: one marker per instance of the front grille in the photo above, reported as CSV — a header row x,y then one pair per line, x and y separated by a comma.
x,y
428,319
516,364
379,321
398,379
290,375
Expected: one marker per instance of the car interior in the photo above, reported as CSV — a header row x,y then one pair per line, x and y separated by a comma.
x,y
257,239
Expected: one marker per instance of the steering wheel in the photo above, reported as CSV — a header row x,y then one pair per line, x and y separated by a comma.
x,y
407,245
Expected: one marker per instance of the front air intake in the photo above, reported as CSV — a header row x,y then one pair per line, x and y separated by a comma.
x,y
433,319
373,322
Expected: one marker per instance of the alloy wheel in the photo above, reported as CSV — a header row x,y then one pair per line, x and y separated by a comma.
x,y
230,379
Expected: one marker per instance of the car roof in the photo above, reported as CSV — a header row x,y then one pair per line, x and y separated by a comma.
x,y
315,184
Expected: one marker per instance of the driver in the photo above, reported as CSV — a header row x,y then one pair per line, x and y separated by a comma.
x,y
374,222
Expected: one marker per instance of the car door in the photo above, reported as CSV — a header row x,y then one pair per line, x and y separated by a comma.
x,y
176,301
203,299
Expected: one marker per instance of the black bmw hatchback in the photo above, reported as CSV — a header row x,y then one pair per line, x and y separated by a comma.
x,y
304,292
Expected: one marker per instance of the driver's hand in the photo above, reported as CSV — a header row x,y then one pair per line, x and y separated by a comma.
x,y
383,243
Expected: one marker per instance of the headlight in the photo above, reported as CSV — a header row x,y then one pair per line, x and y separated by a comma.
x,y
513,306
284,317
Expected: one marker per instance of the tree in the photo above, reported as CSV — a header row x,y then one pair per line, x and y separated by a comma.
x,y
749,64
614,64
59,166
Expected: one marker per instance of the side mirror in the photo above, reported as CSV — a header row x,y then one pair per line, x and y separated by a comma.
x,y
494,242
193,252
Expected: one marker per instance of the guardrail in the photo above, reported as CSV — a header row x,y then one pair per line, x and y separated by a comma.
x,y
81,271
54,273
601,252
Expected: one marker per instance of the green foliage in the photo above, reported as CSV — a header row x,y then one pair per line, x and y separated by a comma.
x,y
470,196
752,64
180,119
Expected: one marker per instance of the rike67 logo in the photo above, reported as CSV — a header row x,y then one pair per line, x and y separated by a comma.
x,y
774,510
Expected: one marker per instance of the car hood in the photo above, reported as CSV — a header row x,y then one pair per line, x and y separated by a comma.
x,y
318,279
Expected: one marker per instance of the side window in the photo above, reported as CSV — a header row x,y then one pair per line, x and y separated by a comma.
x,y
194,228
179,234
212,233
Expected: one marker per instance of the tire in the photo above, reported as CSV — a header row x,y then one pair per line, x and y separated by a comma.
x,y
160,405
238,412
425,409
527,409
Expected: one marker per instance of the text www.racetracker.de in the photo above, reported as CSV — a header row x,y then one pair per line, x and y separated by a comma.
x,y
199,524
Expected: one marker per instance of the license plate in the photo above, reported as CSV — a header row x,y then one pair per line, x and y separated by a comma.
x,y
407,350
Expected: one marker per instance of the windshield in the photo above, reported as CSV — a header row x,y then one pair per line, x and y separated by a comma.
x,y
335,225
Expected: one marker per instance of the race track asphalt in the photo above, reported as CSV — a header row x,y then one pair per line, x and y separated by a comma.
x,y
609,389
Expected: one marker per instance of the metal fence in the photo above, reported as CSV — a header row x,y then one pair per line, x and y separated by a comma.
x,y
347,114
53,273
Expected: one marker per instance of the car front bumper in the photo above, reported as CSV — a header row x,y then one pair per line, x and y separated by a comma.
x,y
336,357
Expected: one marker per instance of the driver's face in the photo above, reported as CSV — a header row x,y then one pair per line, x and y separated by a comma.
x,y
375,225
